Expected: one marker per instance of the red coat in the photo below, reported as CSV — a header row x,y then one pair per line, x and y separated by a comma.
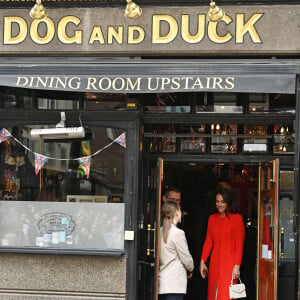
x,y
225,242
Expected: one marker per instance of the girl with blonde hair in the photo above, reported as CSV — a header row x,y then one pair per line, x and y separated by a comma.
x,y
175,261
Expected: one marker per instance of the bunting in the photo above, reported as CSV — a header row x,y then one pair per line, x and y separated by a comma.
x,y
39,161
121,140
4,135
84,164
86,148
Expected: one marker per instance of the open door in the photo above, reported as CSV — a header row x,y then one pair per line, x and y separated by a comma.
x,y
149,226
160,167
267,230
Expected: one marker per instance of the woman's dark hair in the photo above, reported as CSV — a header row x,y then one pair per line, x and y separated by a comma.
x,y
227,197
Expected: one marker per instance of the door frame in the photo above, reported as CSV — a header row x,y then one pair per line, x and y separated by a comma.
x,y
267,265
239,160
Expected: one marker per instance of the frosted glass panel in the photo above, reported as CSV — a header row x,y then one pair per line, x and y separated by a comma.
x,y
73,225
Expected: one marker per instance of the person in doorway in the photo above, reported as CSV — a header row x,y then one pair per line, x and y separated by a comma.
x,y
175,261
210,200
224,244
172,194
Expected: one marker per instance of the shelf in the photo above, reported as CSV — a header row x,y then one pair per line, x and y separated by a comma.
x,y
198,118
195,135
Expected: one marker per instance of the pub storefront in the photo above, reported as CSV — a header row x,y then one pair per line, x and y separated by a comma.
x,y
98,118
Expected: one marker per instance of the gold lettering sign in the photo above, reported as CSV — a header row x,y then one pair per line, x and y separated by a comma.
x,y
136,34
242,29
172,29
186,35
9,37
165,29
62,28
49,31
213,32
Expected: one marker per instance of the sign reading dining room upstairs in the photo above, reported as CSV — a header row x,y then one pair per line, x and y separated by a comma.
x,y
168,30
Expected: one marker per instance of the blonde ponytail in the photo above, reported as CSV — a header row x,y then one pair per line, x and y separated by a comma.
x,y
168,210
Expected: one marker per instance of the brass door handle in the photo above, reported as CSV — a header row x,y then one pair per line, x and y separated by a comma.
x,y
281,253
149,249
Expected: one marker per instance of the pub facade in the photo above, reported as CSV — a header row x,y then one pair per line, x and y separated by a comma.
x,y
100,113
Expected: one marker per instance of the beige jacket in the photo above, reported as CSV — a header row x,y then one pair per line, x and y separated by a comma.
x,y
174,262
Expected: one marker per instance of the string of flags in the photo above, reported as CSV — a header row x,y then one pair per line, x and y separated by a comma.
x,y
40,159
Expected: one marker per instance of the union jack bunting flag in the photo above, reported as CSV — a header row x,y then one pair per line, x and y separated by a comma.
x,y
121,140
39,161
4,135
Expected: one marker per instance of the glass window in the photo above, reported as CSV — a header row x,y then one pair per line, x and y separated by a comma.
x,y
286,216
283,139
256,138
17,98
268,228
272,103
218,103
100,101
168,103
258,103
62,192
223,139
286,225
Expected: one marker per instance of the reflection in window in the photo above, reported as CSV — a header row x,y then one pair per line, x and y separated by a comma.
x,y
62,225
62,174
275,103
267,251
63,193
286,222
218,103
168,103
19,98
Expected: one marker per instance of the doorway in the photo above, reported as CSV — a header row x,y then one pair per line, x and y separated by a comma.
x,y
197,182
251,184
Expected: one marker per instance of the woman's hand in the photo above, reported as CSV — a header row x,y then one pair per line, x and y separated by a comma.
x,y
203,269
236,272
189,275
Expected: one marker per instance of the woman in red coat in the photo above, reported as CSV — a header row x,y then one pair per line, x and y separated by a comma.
x,y
224,242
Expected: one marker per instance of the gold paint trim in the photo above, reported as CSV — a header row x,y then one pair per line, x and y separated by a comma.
x,y
70,1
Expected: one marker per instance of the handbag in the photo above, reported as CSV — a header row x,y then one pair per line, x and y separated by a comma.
x,y
238,290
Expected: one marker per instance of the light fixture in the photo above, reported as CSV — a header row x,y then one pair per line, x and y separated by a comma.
x,y
38,11
215,13
132,10
59,132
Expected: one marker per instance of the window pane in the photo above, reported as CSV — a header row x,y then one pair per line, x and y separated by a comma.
x,y
272,103
62,225
79,186
168,103
286,216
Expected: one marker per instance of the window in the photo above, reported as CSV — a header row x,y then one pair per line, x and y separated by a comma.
x,y
18,98
62,193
